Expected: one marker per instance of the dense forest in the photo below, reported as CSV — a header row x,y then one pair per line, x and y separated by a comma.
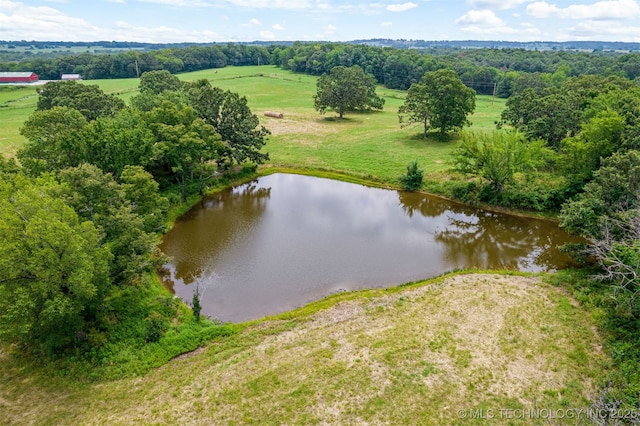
x,y
567,144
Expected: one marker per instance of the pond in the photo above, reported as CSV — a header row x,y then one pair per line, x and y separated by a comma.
x,y
284,240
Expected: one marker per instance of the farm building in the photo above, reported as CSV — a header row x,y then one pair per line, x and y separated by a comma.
x,y
70,77
18,77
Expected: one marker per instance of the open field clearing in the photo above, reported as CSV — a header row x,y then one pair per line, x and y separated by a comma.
x,y
415,354
16,104
371,145
409,355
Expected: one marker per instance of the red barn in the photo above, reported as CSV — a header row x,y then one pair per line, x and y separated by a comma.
x,y
18,77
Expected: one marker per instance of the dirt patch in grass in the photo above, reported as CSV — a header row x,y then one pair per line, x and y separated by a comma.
x,y
414,356
297,124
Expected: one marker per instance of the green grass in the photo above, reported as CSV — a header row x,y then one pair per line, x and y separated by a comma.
x,y
368,145
415,354
17,103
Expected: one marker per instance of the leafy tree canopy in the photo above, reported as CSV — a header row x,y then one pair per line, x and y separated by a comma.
x,y
118,141
55,140
54,271
232,118
88,99
615,189
496,157
346,89
159,81
607,214
557,113
440,101
97,197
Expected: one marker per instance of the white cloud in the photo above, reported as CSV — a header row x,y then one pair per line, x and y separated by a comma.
x,y
278,27
21,22
497,4
367,9
401,7
158,34
328,31
274,4
605,10
485,31
485,23
179,3
480,17
602,30
255,22
541,9
267,35
386,24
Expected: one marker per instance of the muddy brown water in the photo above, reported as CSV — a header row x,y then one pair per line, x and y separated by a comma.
x,y
284,240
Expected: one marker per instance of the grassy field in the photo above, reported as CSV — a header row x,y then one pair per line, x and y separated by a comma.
x,y
421,354
370,145
417,354
16,104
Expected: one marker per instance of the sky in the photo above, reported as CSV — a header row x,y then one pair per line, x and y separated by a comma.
x,y
173,21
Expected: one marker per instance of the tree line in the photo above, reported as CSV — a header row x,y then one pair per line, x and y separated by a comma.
x,y
488,71
80,216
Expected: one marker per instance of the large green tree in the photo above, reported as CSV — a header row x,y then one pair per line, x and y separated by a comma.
x,y
607,214
55,140
89,99
496,157
97,197
232,119
159,81
142,192
599,138
554,114
439,101
185,143
114,142
54,270
346,89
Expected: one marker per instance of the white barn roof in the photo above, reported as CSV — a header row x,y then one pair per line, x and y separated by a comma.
x,y
15,74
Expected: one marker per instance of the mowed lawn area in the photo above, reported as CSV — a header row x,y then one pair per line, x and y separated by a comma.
x,y
371,145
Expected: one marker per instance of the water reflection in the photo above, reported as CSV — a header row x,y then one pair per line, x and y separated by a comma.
x,y
284,240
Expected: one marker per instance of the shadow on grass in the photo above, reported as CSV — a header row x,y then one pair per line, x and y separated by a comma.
x,y
351,116
433,138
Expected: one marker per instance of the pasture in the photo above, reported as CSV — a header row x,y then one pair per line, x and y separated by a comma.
x,y
369,145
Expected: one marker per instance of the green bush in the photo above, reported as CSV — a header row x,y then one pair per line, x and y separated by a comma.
x,y
464,191
156,326
412,181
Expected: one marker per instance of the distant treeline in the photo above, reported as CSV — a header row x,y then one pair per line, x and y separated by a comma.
x,y
488,71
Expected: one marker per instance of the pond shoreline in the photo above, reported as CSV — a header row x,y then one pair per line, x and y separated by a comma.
x,y
308,235
266,170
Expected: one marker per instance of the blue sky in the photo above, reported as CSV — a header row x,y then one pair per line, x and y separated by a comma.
x,y
331,20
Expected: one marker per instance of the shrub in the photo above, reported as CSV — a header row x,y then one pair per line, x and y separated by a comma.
x,y
412,181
